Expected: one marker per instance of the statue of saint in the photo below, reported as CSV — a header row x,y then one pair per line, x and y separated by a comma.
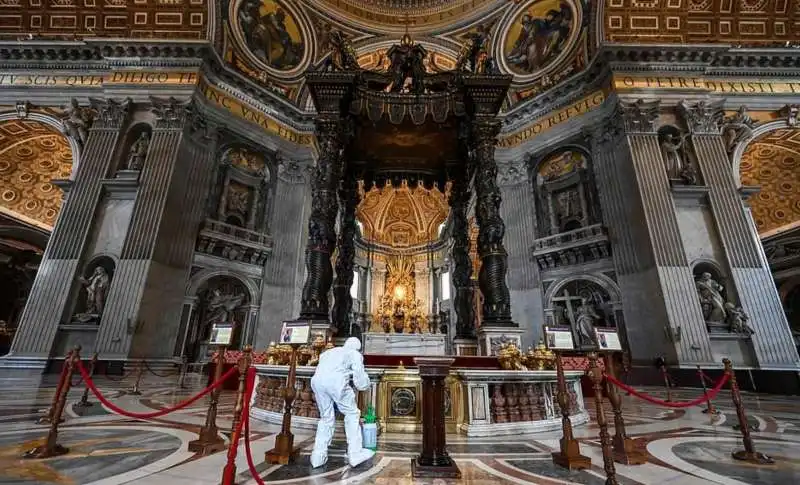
x,y
737,320
585,318
96,291
220,306
77,121
710,294
672,146
138,152
738,128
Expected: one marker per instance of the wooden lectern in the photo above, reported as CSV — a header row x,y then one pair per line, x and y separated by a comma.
x,y
433,462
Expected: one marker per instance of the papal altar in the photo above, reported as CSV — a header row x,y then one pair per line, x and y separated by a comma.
x,y
479,400
405,344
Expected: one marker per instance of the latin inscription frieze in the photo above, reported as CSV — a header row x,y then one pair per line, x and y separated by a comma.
x,y
717,86
583,106
99,80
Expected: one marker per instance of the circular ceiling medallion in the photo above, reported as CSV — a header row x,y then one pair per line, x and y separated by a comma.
x,y
273,34
538,37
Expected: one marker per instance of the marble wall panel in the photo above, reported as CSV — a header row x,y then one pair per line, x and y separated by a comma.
x,y
280,289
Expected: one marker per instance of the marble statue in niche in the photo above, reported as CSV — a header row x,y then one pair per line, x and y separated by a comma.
x,y
583,305
737,320
96,287
675,149
586,318
220,306
137,154
711,297
77,121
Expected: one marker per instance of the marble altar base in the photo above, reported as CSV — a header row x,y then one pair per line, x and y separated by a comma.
x,y
405,344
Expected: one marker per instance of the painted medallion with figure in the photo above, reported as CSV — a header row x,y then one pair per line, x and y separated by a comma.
x,y
537,35
272,33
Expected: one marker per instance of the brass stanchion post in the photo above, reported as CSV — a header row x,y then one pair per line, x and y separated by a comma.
x,y
51,447
569,456
139,372
54,403
84,402
625,451
210,440
605,440
229,472
283,452
666,382
749,453
709,407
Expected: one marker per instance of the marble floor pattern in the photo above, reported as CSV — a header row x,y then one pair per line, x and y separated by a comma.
x,y
683,446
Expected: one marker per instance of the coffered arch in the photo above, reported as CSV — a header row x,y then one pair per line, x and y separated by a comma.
x,y
771,161
32,155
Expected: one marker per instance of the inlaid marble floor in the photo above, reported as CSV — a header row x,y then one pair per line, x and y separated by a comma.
x,y
683,447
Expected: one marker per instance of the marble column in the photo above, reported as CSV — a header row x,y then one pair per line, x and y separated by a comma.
x,y
148,288
49,300
343,301
772,340
322,222
491,228
656,280
462,264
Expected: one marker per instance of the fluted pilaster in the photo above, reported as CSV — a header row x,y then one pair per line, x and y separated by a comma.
x,y
49,296
772,340
143,295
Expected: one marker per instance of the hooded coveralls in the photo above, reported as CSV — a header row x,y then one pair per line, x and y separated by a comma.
x,y
331,385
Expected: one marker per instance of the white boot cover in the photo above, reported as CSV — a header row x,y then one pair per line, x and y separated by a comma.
x,y
360,456
318,458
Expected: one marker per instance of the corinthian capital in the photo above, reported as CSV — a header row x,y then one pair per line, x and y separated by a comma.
x,y
170,113
702,118
110,113
638,117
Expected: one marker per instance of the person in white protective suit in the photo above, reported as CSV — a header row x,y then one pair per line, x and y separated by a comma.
x,y
336,370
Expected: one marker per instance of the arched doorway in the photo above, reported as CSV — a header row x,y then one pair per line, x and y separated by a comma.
x,y
32,155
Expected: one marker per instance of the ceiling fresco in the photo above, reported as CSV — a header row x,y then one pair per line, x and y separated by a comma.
x,y
273,42
772,162
402,216
31,156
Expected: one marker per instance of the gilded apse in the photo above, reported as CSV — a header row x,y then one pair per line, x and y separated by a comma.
x,y
402,216
31,156
772,162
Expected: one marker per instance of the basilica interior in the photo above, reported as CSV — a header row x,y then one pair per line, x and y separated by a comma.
x,y
437,178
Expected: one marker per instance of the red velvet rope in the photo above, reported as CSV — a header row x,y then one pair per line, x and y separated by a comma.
x,y
251,378
155,414
711,393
